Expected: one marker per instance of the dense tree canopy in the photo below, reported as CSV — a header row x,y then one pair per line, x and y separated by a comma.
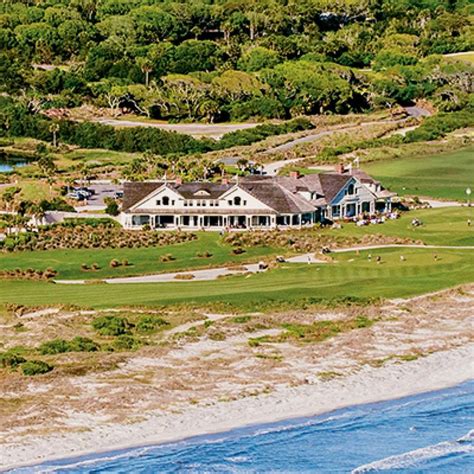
x,y
235,59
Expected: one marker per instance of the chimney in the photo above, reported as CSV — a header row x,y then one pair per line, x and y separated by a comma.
x,y
294,174
340,168
179,180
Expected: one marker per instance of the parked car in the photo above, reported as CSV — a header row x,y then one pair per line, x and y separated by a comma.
x,y
76,195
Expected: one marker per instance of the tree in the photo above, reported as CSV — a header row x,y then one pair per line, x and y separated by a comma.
x,y
54,129
146,66
258,58
112,207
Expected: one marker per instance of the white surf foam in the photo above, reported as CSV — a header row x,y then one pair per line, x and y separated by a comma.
x,y
411,458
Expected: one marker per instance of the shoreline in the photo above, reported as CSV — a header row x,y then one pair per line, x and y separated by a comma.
x,y
369,385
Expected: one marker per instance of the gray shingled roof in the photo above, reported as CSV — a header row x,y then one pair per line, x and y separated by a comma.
x,y
134,192
189,190
277,197
280,193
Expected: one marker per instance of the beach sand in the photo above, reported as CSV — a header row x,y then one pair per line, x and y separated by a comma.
x,y
433,372
201,386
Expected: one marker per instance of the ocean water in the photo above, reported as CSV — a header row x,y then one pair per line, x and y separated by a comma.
x,y
427,433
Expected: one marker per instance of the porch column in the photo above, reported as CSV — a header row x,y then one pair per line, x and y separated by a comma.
x,y
248,220
372,207
388,205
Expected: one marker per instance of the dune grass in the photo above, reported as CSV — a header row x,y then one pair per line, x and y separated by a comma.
x,y
293,285
441,176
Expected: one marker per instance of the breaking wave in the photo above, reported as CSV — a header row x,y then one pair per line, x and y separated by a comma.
x,y
463,445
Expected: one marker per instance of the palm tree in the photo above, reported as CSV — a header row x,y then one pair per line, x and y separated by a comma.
x,y
54,129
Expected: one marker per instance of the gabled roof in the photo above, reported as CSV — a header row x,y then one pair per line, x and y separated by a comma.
x,y
276,196
134,192
192,190
332,183
326,185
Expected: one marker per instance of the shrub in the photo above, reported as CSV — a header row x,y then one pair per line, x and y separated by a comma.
x,y
84,266
241,319
36,367
126,342
150,323
55,346
114,263
238,251
9,359
83,344
205,254
167,258
111,325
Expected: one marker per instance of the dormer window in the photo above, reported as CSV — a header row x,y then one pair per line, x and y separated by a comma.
x,y
351,189
166,201
237,201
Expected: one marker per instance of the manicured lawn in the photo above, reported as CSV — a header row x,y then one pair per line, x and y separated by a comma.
x,y
352,275
442,176
442,226
141,260
446,226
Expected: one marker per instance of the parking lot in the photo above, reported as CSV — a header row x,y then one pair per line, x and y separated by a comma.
x,y
101,191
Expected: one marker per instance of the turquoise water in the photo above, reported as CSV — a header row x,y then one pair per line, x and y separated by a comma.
x,y
7,165
427,433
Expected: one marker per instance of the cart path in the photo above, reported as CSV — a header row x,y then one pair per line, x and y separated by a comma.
x,y
209,274
272,169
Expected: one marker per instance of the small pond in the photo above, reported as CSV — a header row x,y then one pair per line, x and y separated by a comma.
x,y
8,163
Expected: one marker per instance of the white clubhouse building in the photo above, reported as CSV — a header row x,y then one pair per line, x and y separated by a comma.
x,y
255,202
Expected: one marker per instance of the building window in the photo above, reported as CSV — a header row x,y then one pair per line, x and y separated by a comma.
x,y
351,189
237,201
158,202
166,201
230,202
140,220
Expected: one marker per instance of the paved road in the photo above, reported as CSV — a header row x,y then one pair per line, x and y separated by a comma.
x,y
435,204
193,129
